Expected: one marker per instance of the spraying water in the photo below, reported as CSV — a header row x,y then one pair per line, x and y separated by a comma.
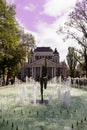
x,y
64,94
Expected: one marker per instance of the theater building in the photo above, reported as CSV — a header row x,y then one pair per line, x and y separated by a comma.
x,y
38,58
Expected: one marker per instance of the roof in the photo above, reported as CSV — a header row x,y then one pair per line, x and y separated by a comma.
x,y
55,51
43,49
31,51
41,62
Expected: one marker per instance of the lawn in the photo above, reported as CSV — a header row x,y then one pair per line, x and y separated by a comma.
x,y
17,112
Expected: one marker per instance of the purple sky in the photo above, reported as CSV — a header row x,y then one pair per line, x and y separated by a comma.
x,y
41,18
29,12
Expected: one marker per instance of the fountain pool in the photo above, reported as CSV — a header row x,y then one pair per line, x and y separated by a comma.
x,y
53,116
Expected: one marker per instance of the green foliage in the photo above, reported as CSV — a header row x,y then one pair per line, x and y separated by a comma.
x,y
71,60
14,43
75,28
44,74
27,40
44,71
10,47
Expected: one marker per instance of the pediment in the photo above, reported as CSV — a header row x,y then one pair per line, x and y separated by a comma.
x,y
49,62
41,62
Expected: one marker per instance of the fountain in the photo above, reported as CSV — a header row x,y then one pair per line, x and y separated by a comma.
x,y
60,80
49,116
65,98
34,93
50,101
64,95
22,94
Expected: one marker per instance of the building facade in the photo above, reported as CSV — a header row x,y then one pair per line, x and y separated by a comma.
x,y
38,58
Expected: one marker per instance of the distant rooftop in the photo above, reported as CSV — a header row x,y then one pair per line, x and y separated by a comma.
x,y
55,51
43,49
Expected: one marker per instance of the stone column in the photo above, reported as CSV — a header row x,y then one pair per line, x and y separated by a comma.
x,y
52,72
40,71
59,72
32,72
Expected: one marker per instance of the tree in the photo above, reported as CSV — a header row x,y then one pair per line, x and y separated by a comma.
x,y
8,36
14,64
71,60
43,79
12,48
27,40
76,28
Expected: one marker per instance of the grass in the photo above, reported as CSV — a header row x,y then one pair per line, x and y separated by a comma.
x,y
27,116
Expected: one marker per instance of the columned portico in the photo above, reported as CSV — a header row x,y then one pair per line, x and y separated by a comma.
x,y
37,60
54,71
37,72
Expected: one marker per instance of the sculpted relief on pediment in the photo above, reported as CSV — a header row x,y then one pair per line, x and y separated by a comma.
x,y
42,62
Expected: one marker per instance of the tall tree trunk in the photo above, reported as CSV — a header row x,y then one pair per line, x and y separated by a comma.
x,y
86,65
7,79
3,76
85,56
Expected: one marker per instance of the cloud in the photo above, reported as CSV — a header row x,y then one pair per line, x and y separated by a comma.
x,y
48,37
22,25
30,7
58,7
46,33
10,2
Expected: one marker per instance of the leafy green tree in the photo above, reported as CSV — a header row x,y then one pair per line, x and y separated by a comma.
x,y
27,40
8,36
14,64
43,79
71,60
76,28
13,45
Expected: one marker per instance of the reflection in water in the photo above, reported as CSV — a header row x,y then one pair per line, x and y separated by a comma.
x,y
41,127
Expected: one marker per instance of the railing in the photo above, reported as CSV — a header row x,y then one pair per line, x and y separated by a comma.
x,y
79,82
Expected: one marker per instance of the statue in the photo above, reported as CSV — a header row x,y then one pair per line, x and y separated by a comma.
x,y
43,80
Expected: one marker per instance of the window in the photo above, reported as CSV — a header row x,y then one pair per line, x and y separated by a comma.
x,y
37,57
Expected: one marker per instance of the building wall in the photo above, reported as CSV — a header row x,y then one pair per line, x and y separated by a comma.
x,y
54,67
